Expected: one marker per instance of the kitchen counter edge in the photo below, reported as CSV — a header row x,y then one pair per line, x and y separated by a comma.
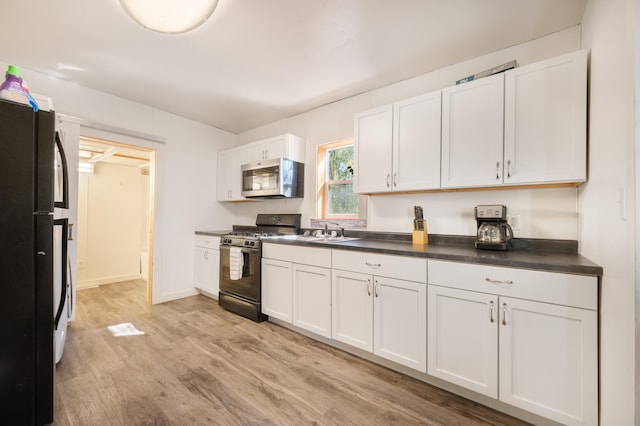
x,y
212,233
552,261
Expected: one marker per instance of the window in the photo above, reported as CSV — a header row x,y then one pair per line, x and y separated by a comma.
x,y
336,199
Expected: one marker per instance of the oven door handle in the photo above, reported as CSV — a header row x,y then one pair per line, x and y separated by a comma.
x,y
243,249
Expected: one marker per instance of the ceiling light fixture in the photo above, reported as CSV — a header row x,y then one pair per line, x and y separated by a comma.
x,y
170,16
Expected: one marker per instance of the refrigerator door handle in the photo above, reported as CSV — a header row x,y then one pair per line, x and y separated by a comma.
x,y
63,270
64,203
70,292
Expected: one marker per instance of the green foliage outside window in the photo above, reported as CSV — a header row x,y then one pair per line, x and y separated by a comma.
x,y
342,200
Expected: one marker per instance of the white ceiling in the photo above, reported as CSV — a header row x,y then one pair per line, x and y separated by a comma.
x,y
257,61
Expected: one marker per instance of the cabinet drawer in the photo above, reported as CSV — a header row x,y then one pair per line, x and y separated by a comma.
x,y
207,241
552,287
399,267
298,254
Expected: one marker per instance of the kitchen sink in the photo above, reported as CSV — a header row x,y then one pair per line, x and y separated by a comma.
x,y
329,239
316,239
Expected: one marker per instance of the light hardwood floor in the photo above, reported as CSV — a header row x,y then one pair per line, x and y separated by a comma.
x,y
199,364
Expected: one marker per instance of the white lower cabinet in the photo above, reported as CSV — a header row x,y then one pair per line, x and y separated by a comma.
x,y
206,275
352,309
277,289
296,286
463,339
386,316
312,299
540,356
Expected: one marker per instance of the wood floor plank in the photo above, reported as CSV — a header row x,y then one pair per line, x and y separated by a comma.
x,y
198,364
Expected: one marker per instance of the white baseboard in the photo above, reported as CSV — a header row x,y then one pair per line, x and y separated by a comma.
x,y
108,280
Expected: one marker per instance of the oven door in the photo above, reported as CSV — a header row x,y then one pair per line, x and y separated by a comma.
x,y
248,285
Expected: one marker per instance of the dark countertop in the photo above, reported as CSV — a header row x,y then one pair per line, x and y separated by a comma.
x,y
559,260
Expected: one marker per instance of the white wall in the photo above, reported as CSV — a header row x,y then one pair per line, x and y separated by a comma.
x,y
594,214
544,213
111,224
607,228
185,178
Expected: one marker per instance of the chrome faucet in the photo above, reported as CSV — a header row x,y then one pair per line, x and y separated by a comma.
x,y
326,228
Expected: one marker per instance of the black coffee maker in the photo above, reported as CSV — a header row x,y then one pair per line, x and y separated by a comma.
x,y
494,232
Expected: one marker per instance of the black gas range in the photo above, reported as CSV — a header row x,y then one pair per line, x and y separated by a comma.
x,y
240,259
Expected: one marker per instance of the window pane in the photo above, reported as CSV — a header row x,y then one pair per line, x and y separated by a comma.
x,y
342,200
340,163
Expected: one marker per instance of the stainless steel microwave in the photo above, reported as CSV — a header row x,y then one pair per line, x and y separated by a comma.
x,y
278,178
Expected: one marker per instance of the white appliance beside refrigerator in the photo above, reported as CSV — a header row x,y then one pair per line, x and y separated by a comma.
x,y
64,244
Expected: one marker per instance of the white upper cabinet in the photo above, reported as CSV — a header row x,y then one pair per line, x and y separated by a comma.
x,y
526,126
416,143
229,176
283,146
398,146
546,121
373,150
472,133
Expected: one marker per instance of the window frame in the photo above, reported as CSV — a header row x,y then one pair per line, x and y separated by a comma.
x,y
322,190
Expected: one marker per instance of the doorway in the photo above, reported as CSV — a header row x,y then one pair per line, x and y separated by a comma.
x,y
115,213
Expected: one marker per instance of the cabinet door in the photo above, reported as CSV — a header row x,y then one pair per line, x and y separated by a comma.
x,y
373,150
463,338
416,143
546,121
207,270
276,147
312,299
548,360
277,289
400,322
472,133
352,309
229,174
224,176
255,152
239,158
201,270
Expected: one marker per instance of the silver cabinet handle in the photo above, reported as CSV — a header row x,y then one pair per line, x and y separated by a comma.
x,y
498,282
369,287
42,253
388,180
504,314
70,234
266,154
491,316
373,265
509,169
376,288
395,179
498,170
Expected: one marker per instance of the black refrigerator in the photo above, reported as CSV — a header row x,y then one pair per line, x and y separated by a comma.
x,y
26,264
